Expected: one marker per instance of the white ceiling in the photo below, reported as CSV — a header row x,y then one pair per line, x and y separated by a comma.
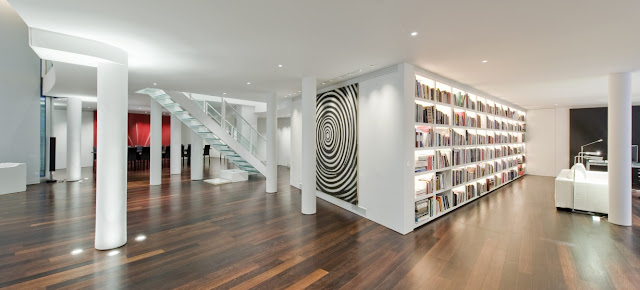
x,y
540,53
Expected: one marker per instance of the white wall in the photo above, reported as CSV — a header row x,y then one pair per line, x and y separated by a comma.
x,y
60,132
19,95
547,141
381,131
283,138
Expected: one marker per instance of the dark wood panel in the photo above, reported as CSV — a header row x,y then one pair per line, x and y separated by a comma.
x,y
236,236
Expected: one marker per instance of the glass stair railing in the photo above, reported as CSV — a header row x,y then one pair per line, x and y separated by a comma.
x,y
225,115
218,144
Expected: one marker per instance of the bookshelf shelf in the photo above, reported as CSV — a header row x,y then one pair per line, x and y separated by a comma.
x,y
445,114
467,164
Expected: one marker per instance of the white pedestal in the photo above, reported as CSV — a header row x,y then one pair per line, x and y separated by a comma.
x,y
234,175
13,177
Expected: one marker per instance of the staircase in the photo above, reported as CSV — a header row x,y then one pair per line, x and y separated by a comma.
x,y
223,128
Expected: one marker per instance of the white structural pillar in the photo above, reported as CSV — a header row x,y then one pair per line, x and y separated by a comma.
x,y
309,145
111,177
272,145
619,148
196,156
176,145
74,139
155,162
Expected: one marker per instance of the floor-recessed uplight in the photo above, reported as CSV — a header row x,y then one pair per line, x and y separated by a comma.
x,y
485,61
141,238
113,253
76,252
414,33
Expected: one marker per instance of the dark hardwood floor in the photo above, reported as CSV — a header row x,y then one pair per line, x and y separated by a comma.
x,y
236,236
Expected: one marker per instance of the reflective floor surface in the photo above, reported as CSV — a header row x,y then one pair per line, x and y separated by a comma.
x,y
185,234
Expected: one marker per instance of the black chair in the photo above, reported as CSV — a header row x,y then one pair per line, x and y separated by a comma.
x,y
207,152
182,154
188,154
146,156
132,157
166,156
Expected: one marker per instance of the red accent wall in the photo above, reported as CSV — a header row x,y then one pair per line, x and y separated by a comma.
x,y
139,126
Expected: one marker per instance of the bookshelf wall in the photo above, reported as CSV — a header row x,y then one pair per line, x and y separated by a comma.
x,y
465,146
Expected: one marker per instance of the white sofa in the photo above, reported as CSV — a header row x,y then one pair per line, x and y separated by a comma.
x,y
577,188
13,177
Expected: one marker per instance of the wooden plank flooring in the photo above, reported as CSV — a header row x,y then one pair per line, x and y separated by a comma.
x,y
235,236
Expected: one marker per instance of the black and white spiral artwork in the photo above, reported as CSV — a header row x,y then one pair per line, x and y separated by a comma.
x,y
337,143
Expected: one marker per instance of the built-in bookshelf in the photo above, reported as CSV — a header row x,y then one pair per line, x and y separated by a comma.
x,y
466,146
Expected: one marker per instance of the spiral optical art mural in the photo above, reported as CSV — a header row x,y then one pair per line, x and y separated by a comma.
x,y
337,143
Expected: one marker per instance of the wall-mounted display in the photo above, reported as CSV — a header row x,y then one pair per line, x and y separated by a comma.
x,y
337,143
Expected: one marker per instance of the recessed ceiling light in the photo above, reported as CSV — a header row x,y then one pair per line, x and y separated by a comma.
x,y
485,61
248,83
139,108
113,253
298,91
414,33
323,83
141,238
224,93
360,70
76,252
279,65
155,84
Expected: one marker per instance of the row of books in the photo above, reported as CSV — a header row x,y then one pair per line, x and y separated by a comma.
x,y
425,163
463,156
442,138
424,137
458,176
499,110
424,91
464,101
452,137
431,183
431,207
431,115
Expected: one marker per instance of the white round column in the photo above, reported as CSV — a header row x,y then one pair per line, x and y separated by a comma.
x,y
111,176
272,145
619,148
155,162
176,145
74,139
197,164
309,145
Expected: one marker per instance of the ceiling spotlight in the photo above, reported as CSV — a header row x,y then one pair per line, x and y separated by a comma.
x,y
141,238
414,33
113,253
279,65
485,61
76,252
248,83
